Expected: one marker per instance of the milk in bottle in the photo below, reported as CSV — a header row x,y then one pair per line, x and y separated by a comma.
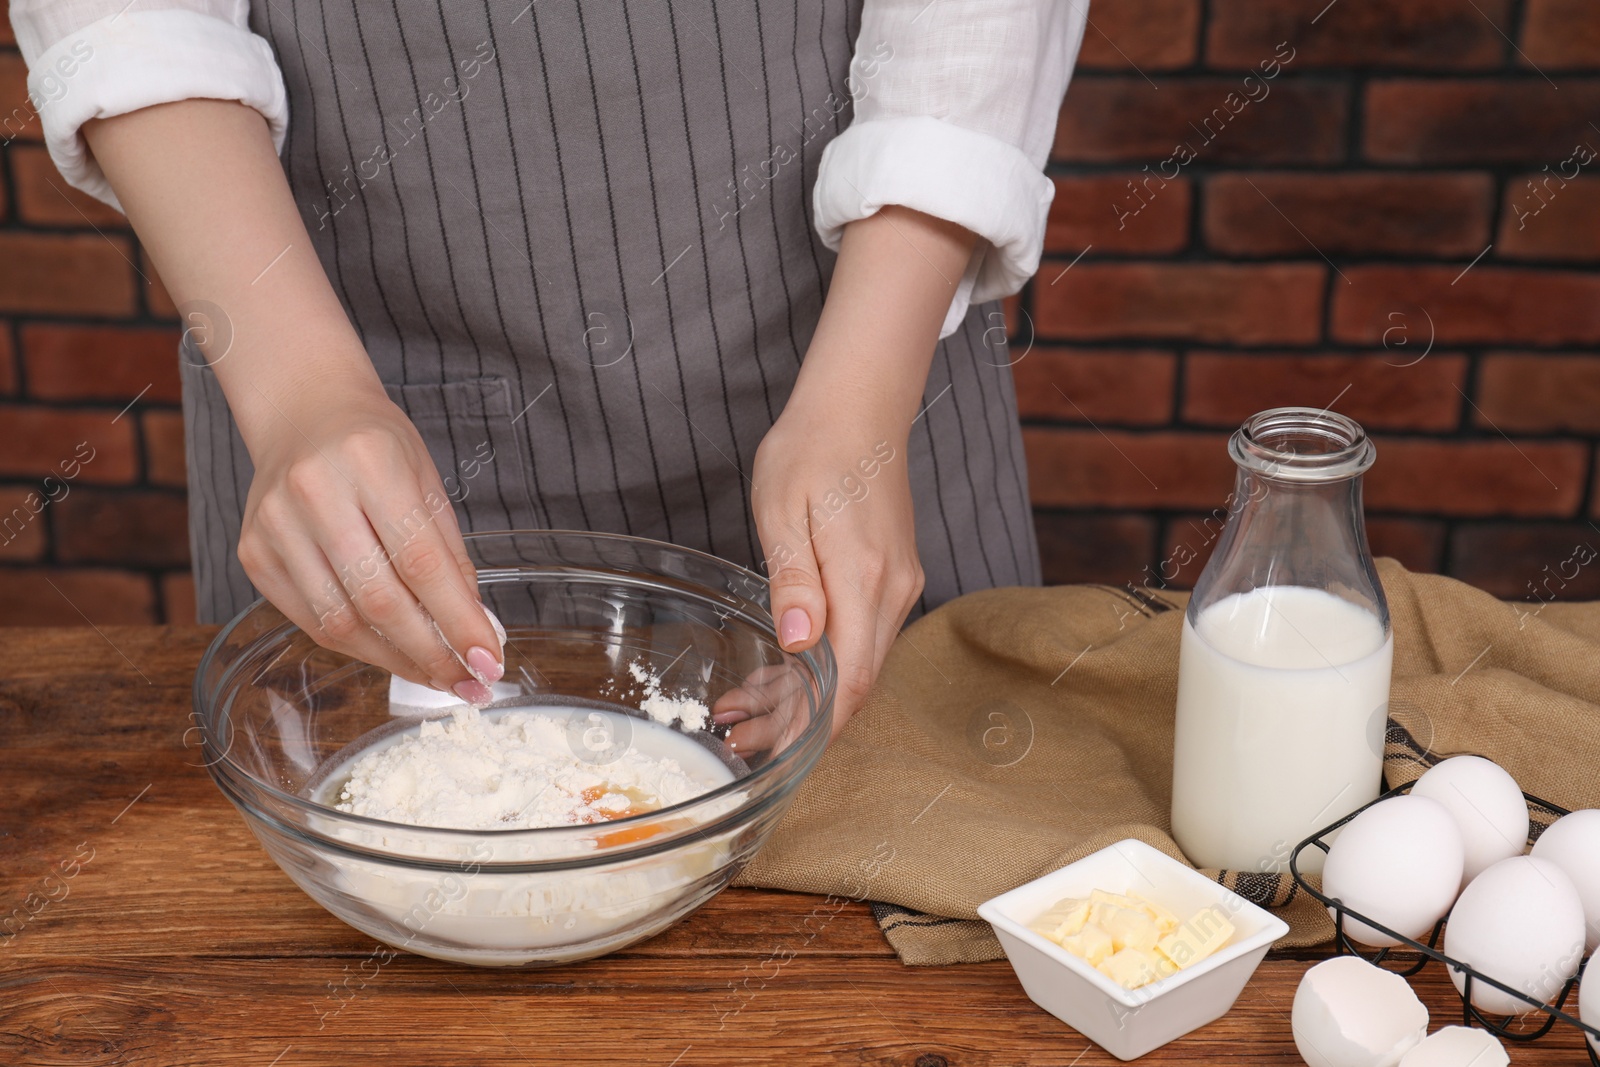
x,y
1284,660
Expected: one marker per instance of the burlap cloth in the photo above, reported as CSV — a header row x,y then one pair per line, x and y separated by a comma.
x,y
1014,731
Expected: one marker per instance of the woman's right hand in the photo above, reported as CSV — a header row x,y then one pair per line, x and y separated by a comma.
x,y
348,530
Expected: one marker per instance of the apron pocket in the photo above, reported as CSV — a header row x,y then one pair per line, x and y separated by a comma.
x,y
478,449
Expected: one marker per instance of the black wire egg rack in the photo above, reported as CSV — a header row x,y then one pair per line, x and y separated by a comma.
x,y
1410,955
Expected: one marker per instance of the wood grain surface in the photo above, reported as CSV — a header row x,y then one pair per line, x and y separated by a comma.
x,y
176,941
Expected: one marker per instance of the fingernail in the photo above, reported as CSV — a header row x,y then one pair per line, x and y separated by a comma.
x,y
473,692
483,665
499,630
794,627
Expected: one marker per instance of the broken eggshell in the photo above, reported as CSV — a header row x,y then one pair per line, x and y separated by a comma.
x,y
1457,1046
1349,1013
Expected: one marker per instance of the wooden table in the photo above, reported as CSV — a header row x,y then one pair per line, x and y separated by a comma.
x,y
176,941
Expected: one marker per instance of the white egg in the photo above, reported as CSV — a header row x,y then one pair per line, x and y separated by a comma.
x,y
1399,864
1457,1046
1348,1013
1589,1000
1572,843
1521,923
1487,804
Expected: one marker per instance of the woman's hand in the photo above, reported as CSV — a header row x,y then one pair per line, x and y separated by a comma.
x,y
832,496
348,530
832,503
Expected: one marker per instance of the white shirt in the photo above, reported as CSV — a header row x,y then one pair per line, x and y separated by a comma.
x,y
955,105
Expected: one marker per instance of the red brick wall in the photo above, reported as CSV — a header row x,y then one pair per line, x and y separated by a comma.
x,y
88,368
1369,198
1324,244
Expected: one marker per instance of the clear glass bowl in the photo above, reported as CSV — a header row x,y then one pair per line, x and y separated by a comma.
x,y
277,715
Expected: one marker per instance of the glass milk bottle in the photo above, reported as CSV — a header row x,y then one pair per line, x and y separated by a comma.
x,y
1283,668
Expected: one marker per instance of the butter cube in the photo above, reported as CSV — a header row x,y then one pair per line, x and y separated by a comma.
x,y
1103,904
1131,968
1205,932
1100,896
1129,927
1066,918
1164,918
1091,944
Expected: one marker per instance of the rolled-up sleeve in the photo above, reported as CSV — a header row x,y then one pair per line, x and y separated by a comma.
x,y
955,112
92,59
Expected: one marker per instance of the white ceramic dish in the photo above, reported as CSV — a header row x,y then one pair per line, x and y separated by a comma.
x,y
1130,1022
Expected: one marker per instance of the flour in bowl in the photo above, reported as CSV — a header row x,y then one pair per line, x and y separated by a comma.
x,y
517,769
666,709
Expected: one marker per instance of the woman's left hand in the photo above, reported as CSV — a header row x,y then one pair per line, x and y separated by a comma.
x,y
832,504
832,489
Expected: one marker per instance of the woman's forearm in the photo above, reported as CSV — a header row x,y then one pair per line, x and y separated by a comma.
x,y
207,196
853,573
896,274
347,527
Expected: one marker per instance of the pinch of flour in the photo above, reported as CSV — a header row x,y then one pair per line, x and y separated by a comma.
x,y
664,709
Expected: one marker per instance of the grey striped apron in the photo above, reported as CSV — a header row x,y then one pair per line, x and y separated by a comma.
x,y
576,241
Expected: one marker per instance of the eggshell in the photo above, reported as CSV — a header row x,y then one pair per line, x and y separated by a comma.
x,y
1487,804
1348,1013
1572,843
1521,923
1458,1046
1589,1000
1398,863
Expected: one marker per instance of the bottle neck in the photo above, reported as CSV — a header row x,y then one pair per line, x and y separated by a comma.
x,y
1302,445
1295,517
